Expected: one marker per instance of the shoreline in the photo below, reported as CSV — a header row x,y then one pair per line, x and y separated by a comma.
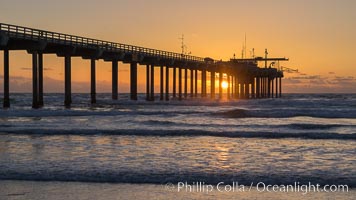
x,y
83,190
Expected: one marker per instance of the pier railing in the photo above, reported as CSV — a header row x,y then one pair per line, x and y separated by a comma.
x,y
66,39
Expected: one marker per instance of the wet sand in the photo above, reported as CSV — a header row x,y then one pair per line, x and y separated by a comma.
x,y
17,190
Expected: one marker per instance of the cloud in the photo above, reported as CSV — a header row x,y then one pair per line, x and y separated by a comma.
x,y
292,81
26,68
319,84
307,77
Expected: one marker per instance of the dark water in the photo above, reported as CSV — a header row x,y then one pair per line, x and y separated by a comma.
x,y
304,138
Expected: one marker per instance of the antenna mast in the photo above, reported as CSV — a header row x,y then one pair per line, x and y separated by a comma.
x,y
182,44
245,46
266,53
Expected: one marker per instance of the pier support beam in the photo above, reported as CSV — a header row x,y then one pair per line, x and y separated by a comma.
x,y
228,87
242,90
6,102
269,87
272,88
174,82
92,81
203,83
133,80
247,90
232,87
67,81
262,87
161,83
152,90
40,80
191,83
35,80
114,80
253,91
196,83
276,87
258,88
212,84
220,84
266,87
147,82
236,88
180,84
280,87
185,83
167,83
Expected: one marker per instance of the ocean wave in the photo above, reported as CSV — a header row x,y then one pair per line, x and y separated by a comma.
x,y
318,126
175,111
286,113
185,133
295,126
134,177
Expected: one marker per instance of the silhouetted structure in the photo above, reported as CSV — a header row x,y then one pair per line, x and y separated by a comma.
x,y
245,78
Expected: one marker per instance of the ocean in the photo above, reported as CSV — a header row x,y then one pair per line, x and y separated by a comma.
x,y
191,149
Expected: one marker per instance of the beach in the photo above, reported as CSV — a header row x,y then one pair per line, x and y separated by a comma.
x,y
147,150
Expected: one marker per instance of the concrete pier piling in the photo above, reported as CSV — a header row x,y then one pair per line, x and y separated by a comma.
x,y
228,87
203,83
114,80
152,85
161,79
196,84
147,82
67,81
174,82
40,79
180,83
133,80
6,103
35,80
191,83
185,83
220,84
167,84
212,85
92,81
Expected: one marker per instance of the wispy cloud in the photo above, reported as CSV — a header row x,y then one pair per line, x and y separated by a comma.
x,y
319,83
26,68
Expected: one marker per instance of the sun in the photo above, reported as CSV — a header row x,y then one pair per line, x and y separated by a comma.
x,y
224,85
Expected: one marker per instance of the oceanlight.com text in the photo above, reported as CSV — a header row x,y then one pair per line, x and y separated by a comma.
x,y
202,187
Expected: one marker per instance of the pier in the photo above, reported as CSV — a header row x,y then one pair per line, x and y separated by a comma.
x,y
245,80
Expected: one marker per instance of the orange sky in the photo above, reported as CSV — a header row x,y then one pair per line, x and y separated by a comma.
x,y
317,36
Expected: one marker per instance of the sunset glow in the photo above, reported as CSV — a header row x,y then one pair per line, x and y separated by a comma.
x,y
224,85
177,99
317,36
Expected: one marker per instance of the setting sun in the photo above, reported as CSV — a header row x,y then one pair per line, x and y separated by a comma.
x,y
224,85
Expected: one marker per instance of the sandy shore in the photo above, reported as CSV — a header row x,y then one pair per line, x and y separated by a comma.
x,y
79,190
